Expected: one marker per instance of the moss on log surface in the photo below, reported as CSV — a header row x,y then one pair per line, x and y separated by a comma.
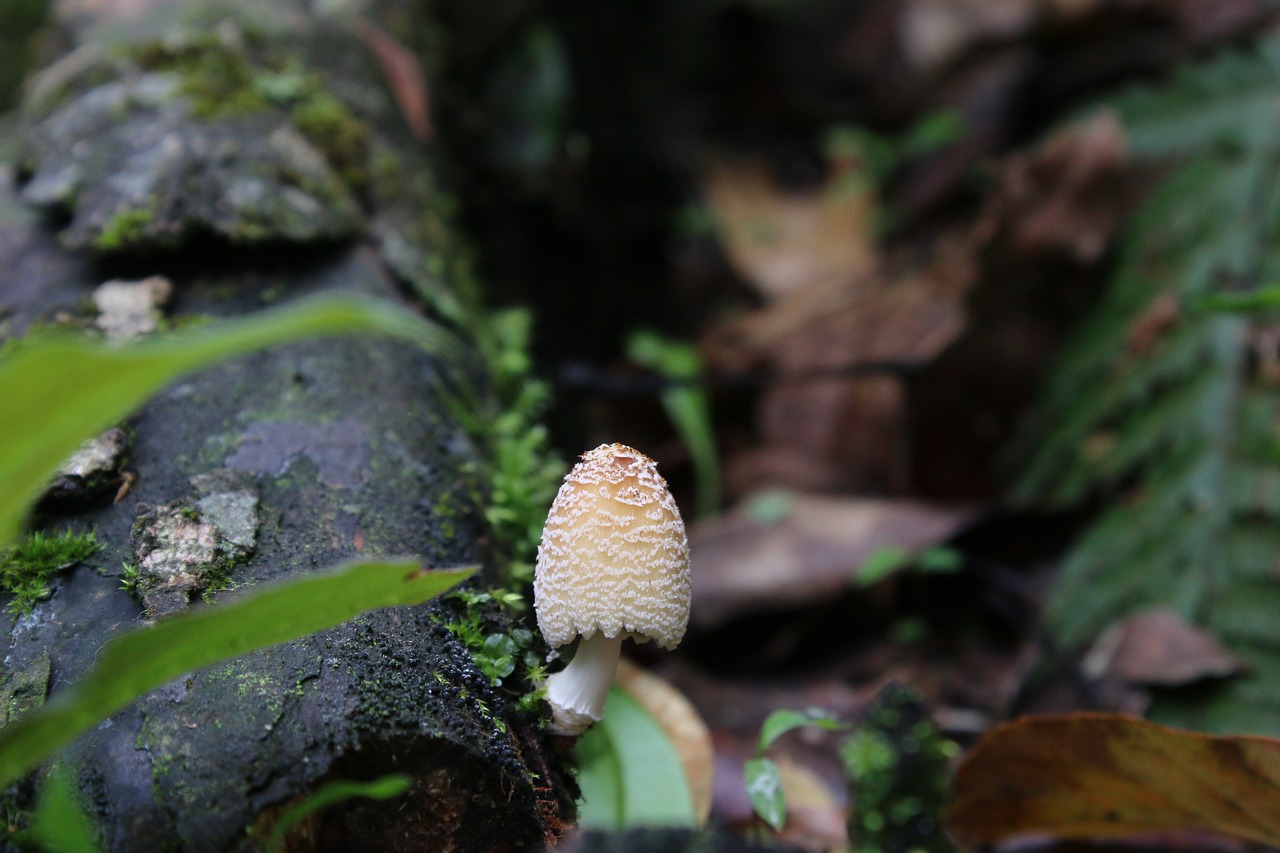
x,y
271,465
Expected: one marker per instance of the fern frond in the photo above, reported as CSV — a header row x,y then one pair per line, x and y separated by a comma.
x,y
1172,426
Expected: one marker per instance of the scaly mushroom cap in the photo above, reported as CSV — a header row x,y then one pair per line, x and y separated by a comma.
x,y
614,556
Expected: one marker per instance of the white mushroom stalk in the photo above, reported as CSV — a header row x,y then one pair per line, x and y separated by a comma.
x,y
578,692
613,563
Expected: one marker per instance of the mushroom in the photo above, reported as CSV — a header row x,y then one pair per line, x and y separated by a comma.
x,y
613,563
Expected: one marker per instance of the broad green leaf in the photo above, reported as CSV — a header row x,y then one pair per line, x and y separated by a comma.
x,y
60,390
1101,776
143,659
600,780
764,787
784,720
630,773
60,824
385,788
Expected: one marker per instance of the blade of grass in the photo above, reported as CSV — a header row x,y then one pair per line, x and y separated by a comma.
x,y
385,788
58,391
141,660
60,823
688,406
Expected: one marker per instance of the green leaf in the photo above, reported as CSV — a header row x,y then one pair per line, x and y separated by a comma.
x,y
385,788
940,560
882,563
764,787
784,720
143,659
60,390
60,824
630,772
765,509
1262,300
687,405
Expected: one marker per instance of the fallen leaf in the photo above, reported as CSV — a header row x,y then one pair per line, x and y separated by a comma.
x,y
936,32
783,242
1158,647
808,549
404,77
815,817
1092,776
822,427
686,730
1061,196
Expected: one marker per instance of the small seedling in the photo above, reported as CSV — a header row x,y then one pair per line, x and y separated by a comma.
x,y
761,774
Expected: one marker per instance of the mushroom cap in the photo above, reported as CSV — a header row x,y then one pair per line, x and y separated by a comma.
x,y
614,556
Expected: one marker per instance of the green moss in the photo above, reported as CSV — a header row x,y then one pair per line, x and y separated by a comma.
x,y
221,81
897,765
329,125
125,228
25,568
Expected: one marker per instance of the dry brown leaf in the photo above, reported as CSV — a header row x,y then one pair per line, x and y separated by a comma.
x,y
785,242
745,563
404,76
935,32
1111,776
1158,647
816,820
822,430
1062,195
680,720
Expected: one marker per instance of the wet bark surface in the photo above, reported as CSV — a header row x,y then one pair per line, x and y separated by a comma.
x,y
266,467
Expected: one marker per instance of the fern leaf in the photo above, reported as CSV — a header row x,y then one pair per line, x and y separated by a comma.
x,y
1178,430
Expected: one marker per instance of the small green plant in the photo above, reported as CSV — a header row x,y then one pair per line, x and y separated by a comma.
x,y
761,774
385,788
884,155
898,769
129,578
899,776
891,560
499,654
521,476
25,568
687,404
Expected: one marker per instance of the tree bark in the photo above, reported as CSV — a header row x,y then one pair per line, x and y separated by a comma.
x,y
248,163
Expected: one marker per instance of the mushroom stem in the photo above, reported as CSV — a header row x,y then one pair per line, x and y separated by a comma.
x,y
577,693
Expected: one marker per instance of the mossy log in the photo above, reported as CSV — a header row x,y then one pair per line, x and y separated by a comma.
x,y
249,163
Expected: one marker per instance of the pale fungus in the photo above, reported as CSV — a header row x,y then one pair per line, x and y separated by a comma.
x,y
613,563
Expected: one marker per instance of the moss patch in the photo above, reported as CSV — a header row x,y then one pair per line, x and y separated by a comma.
x,y
221,80
26,568
125,228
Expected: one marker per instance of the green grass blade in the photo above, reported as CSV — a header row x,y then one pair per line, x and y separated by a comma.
x,y
335,792
141,660
59,391
688,406
60,823
631,775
